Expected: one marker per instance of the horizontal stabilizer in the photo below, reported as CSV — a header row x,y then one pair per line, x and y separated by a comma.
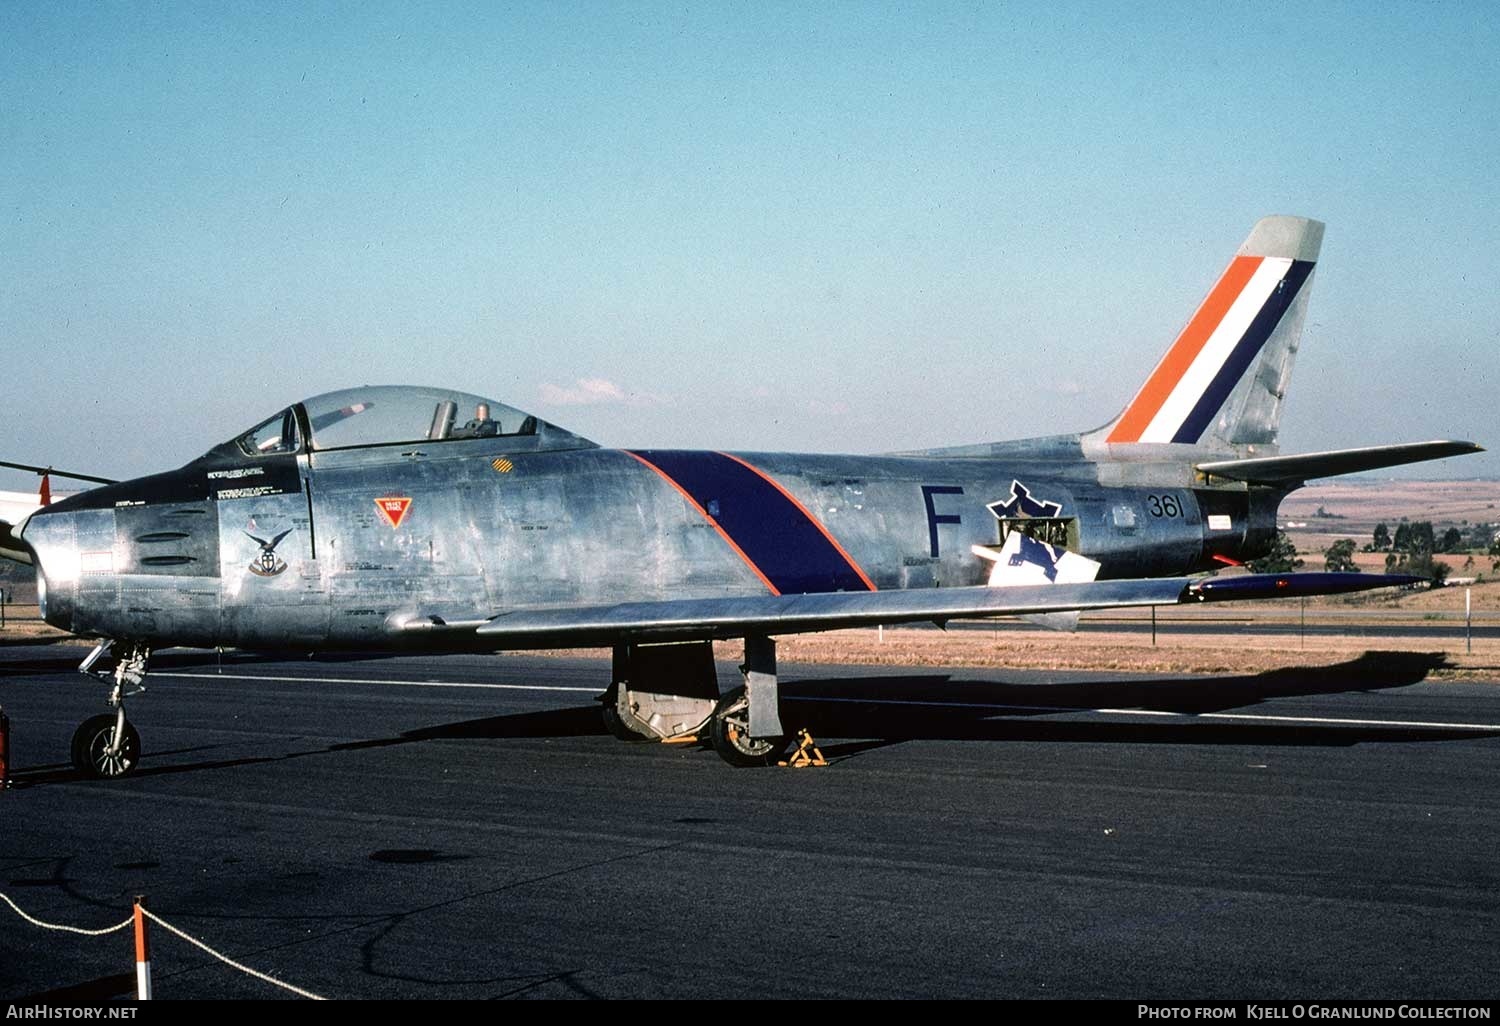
x,y
1291,470
724,618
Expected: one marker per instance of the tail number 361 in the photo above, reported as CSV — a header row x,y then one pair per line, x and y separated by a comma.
x,y
1163,506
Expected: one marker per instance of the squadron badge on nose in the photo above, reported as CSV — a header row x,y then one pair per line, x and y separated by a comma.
x,y
267,563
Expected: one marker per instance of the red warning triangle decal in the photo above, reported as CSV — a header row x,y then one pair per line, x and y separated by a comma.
x,y
393,508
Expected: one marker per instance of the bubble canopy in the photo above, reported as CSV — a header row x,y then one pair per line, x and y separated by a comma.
x,y
392,415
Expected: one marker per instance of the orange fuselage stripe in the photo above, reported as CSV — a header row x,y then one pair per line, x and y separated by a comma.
x,y
805,512
1153,394
705,514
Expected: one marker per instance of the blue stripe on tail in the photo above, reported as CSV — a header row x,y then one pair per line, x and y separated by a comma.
x,y
1244,353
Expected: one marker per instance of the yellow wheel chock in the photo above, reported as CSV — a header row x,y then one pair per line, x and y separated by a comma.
x,y
807,753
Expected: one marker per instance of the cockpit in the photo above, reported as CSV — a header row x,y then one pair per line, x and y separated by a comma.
x,y
396,415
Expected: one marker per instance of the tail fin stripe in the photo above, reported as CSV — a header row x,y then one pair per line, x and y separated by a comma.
x,y
1244,353
1227,335
1164,379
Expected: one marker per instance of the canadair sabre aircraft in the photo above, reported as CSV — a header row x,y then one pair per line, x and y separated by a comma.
x,y
380,518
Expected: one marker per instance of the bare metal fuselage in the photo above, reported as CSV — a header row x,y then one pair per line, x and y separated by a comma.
x,y
332,549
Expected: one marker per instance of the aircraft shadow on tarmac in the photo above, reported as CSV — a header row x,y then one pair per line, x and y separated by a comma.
x,y
885,710
891,709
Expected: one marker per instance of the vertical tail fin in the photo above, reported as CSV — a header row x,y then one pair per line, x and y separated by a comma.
x,y
1223,380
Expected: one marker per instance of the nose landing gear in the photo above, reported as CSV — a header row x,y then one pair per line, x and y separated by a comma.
x,y
107,746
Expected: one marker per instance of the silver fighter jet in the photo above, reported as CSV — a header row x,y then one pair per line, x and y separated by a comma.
x,y
425,519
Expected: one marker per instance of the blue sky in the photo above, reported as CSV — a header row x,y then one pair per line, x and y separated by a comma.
x,y
845,226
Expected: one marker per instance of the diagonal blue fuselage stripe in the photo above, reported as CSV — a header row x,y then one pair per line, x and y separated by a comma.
x,y
773,532
1244,353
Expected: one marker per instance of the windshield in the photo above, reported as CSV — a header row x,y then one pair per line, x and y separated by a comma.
x,y
389,414
277,435
397,415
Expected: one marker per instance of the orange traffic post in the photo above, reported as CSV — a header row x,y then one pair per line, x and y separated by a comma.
x,y
142,952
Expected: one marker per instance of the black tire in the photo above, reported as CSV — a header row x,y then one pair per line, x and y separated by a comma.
x,y
618,727
728,729
91,742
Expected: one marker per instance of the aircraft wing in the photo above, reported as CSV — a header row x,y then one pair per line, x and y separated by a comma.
x,y
772,615
1284,470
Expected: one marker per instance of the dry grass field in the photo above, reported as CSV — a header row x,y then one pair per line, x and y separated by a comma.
x,y
1222,652
1366,501
1355,506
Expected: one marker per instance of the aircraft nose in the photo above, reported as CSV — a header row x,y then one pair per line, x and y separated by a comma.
x,y
52,538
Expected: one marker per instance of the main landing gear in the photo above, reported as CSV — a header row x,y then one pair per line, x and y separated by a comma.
x,y
107,745
670,693
746,727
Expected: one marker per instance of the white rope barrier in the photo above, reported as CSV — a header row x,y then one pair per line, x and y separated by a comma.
x,y
60,926
159,921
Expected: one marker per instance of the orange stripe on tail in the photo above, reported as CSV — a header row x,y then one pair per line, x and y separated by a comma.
x,y
1153,394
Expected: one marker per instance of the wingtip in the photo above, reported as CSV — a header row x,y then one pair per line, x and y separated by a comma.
x,y
1459,446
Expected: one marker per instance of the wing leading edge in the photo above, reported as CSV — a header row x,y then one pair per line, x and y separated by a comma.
x,y
773,615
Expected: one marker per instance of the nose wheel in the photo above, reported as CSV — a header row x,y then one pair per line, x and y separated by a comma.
x,y
106,746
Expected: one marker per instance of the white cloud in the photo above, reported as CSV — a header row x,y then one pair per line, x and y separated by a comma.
x,y
592,392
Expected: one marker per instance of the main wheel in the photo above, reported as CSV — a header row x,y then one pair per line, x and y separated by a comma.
x,y
615,724
729,729
91,744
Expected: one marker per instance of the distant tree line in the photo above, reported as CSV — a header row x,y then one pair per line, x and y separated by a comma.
x,y
1418,536
1410,550
1412,547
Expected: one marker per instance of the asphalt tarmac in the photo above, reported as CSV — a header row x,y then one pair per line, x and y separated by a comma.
x,y
463,827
